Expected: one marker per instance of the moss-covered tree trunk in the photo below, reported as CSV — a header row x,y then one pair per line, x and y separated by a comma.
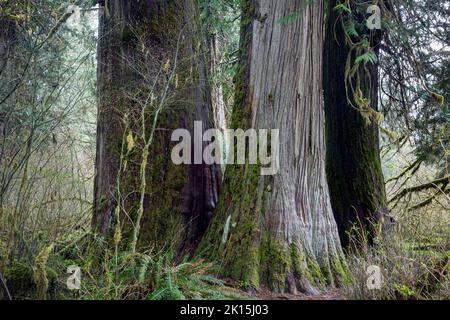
x,y
279,230
354,170
151,80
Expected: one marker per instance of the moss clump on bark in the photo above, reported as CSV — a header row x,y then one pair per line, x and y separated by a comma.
x,y
277,264
340,270
239,255
306,266
21,281
19,278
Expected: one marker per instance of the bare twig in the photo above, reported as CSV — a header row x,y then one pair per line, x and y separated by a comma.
x,y
5,287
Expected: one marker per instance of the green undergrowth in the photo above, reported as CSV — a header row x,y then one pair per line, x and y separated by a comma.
x,y
107,274
410,268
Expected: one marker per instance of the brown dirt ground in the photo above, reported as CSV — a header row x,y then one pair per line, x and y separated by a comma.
x,y
266,294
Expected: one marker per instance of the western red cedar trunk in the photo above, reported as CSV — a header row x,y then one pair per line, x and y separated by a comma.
x,y
354,170
145,49
280,231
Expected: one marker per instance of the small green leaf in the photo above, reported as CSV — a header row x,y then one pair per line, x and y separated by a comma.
x,y
370,57
342,8
130,141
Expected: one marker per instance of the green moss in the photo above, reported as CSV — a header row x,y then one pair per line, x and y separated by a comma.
x,y
327,273
21,282
240,255
277,260
128,35
298,259
306,266
19,278
241,110
340,271
243,233
19,272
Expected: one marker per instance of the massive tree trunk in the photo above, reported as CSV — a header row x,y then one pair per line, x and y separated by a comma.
x,y
151,80
279,230
354,170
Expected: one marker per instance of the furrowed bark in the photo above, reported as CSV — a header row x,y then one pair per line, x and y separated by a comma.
x,y
163,37
354,172
281,231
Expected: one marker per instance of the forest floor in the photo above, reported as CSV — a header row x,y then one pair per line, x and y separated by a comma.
x,y
266,294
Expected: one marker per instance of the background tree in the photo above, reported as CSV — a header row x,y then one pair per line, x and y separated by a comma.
x,y
47,73
414,89
220,21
